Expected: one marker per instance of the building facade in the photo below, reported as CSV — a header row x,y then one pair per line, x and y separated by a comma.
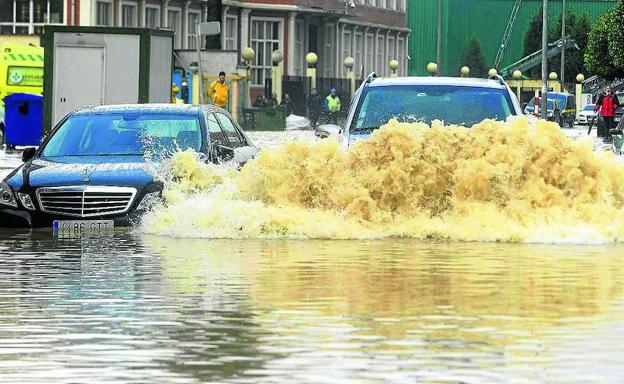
x,y
373,32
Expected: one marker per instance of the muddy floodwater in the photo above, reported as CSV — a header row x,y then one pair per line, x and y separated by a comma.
x,y
123,307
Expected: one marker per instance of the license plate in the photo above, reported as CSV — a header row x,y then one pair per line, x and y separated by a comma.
x,y
78,227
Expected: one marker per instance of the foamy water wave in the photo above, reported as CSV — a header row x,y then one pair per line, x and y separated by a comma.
x,y
518,181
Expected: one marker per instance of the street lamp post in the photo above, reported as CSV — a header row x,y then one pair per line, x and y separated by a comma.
x,y
517,75
432,68
276,74
543,100
563,30
348,64
579,92
248,54
394,65
311,59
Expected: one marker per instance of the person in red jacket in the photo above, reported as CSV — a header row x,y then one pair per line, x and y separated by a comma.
x,y
607,104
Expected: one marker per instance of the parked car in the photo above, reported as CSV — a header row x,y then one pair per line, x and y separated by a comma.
x,y
461,101
96,166
561,108
587,114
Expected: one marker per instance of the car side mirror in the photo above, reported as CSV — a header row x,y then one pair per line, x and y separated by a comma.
x,y
28,154
615,131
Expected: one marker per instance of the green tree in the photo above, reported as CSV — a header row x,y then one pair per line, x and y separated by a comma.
x,y
473,58
533,40
598,55
578,28
616,35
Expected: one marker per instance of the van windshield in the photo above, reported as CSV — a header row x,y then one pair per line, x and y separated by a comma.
x,y
102,134
451,104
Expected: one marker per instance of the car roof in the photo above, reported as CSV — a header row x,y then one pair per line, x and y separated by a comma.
x,y
148,108
434,80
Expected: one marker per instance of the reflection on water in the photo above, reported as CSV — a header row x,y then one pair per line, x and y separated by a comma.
x,y
127,308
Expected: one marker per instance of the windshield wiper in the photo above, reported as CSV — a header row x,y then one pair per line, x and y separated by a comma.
x,y
364,129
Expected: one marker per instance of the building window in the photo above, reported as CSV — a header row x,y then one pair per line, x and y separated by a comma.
x,y
381,3
391,5
103,13
265,38
128,15
357,57
299,53
15,15
401,56
173,22
328,50
231,33
370,50
401,5
152,17
380,67
192,20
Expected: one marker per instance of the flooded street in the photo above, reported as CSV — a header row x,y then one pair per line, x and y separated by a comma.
x,y
131,308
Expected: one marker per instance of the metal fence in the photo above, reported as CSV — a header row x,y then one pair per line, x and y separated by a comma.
x,y
299,89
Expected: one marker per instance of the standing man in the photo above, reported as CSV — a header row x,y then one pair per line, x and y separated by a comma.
x,y
607,104
332,107
219,91
315,103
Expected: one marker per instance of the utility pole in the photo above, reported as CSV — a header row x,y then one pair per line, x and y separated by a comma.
x,y
439,38
563,31
544,96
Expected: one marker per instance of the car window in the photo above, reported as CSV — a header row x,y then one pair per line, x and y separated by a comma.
x,y
128,133
448,103
232,134
214,130
550,104
588,108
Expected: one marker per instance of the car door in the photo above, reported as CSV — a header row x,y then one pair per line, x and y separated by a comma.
x,y
237,141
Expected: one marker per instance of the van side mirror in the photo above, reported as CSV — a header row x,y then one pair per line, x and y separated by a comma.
x,y
28,154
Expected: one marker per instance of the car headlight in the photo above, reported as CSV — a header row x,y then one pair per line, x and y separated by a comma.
x,y
6,195
149,201
26,201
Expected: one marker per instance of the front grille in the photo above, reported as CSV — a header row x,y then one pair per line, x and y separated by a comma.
x,y
85,201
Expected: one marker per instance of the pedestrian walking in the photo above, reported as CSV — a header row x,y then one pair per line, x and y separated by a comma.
x,y
332,107
607,104
219,91
314,104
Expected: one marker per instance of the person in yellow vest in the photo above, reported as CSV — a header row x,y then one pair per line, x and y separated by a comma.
x,y
219,91
332,107
174,92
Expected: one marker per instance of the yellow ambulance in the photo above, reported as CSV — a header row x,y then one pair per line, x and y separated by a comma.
x,y
21,71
